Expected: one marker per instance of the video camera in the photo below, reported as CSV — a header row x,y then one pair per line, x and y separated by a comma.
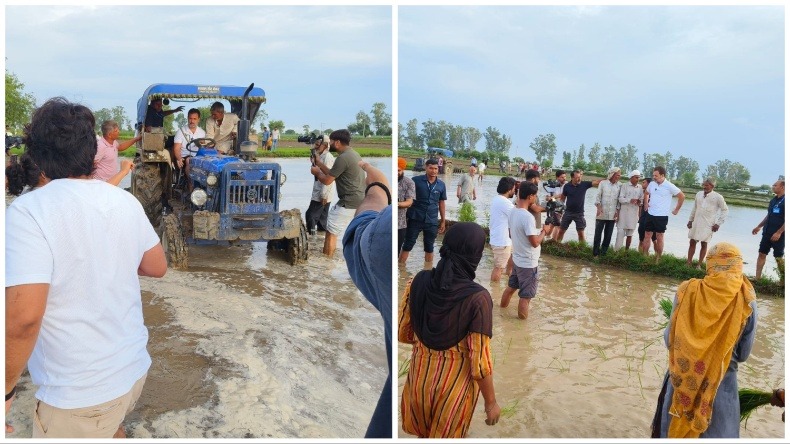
x,y
554,208
551,183
308,139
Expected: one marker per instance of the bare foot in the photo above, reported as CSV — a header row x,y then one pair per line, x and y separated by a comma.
x,y
120,433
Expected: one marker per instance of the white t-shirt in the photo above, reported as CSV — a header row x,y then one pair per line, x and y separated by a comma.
x,y
85,238
522,225
661,197
500,210
184,136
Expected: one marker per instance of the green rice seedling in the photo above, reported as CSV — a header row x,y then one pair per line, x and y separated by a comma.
x,y
601,352
404,367
750,400
666,307
509,410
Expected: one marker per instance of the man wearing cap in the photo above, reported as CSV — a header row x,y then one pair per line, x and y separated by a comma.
x,y
573,193
406,195
657,201
606,210
707,215
318,211
630,198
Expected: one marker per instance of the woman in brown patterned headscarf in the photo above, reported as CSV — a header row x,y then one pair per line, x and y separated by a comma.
x,y
711,330
447,318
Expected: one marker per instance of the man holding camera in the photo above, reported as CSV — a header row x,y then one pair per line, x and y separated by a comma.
x,y
350,186
318,211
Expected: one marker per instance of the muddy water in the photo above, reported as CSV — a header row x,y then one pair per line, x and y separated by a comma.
x,y
737,229
245,345
589,361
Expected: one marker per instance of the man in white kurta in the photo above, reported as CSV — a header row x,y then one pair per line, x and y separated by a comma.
x,y
707,215
631,197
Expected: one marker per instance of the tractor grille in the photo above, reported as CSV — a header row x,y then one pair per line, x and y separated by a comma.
x,y
251,190
249,194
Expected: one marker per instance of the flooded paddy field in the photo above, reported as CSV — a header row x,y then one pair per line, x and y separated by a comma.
x,y
246,346
590,360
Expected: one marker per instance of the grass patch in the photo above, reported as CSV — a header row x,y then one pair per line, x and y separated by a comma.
x,y
509,410
632,260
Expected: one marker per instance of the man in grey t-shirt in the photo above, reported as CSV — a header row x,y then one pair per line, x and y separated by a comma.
x,y
350,179
466,187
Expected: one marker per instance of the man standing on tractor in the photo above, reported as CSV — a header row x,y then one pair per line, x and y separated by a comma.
x,y
155,117
350,186
184,136
222,127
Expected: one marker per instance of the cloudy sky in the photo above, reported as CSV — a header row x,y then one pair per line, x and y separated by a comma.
x,y
704,82
318,65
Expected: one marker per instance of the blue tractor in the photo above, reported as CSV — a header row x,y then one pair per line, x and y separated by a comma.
x,y
235,197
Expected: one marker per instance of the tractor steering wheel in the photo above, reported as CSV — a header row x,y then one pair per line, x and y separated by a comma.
x,y
203,142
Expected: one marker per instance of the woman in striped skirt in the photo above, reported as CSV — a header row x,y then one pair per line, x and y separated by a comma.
x,y
447,318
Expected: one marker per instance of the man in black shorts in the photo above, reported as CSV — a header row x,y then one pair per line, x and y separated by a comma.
x,y
658,200
573,193
773,225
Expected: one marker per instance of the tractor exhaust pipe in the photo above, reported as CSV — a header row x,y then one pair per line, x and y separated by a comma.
x,y
244,122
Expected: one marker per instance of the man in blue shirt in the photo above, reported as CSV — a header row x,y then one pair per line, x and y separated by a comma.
x,y
422,215
773,225
367,248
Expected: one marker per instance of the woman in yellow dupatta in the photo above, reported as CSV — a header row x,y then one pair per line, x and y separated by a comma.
x,y
711,330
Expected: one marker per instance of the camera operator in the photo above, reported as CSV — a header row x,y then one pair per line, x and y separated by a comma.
x,y
554,189
318,211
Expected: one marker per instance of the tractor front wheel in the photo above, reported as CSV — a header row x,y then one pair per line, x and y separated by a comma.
x,y
173,243
147,187
296,248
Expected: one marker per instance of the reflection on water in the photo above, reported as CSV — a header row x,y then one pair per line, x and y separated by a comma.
x,y
589,361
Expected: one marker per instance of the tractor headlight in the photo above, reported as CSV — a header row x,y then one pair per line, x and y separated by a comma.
x,y
198,197
211,180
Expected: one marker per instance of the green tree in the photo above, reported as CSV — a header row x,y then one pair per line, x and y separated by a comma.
x,y
566,159
413,138
276,125
497,144
579,155
545,147
455,138
609,157
627,159
118,114
436,143
381,119
401,139
180,120
685,165
471,138
306,129
594,156
19,105
363,124
688,178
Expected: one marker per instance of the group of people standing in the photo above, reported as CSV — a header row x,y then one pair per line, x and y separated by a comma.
x,y
447,317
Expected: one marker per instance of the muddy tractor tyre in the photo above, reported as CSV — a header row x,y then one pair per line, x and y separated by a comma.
x,y
147,187
296,248
448,168
174,244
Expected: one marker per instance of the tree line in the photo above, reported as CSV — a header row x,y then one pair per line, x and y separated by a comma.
x,y
460,139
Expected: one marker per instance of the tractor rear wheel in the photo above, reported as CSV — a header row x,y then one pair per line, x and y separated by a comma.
x,y
296,248
173,242
147,187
